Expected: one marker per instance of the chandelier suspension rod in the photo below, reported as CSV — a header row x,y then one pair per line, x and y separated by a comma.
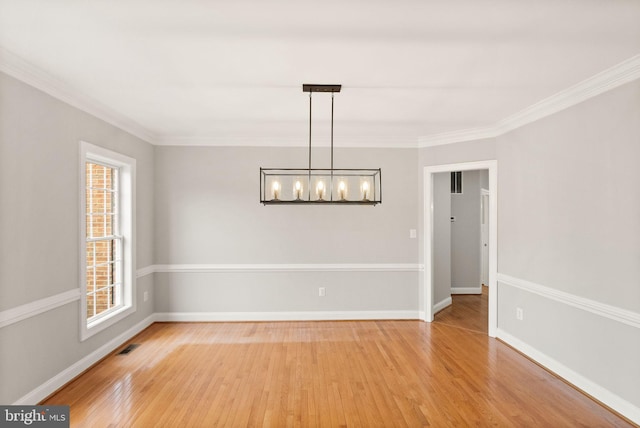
x,y
331,145
309,182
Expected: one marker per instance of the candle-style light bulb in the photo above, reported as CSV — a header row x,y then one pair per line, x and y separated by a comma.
x,y
298,189
275,187
342,188
365,190
320,189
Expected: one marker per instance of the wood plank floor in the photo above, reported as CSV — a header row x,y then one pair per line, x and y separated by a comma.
x,y
470,311
328,374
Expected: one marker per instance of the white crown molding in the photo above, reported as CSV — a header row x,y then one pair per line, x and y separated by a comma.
x,y
266,141
457,136
285,316
68,374
31,309
602,309
20,69
217,141
274,267
604,81
613,77
607,397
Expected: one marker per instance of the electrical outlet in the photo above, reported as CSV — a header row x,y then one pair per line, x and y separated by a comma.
x,y
413,234
321,292
519,314
146,296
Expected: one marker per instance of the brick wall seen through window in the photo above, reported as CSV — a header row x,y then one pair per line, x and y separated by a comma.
x,y
103,282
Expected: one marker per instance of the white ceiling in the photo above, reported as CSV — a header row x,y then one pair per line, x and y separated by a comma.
x,y
230,72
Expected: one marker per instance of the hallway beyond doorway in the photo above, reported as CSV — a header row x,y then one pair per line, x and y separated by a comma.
x,y
468,311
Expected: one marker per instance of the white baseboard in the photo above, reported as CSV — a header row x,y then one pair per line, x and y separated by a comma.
x,y
610,399
441,305
68,374
50,386
285,316
466,290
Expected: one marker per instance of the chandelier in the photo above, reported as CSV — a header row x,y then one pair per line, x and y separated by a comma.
x,y
344,186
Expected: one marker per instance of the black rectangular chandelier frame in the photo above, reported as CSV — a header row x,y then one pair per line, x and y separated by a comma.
x,y
341,186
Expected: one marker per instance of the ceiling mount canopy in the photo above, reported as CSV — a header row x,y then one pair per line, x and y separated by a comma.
x,y
344,186
307,87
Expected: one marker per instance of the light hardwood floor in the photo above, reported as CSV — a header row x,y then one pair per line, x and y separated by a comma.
x,y
329,374
470,311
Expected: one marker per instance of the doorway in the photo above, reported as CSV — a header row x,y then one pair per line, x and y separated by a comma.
x,y
429,232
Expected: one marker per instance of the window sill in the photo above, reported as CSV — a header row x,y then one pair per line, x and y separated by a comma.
x,y
97,326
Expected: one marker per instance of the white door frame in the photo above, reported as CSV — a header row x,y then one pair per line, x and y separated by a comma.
x,y
428,280
484,238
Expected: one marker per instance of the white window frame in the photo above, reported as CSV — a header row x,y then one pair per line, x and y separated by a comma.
x,y
127,213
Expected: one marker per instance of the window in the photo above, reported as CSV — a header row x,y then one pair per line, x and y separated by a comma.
x,y
107,248
103,240
456,182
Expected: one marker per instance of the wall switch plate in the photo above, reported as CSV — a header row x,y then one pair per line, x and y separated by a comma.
x,y
413,233
146,296
321,292
519,314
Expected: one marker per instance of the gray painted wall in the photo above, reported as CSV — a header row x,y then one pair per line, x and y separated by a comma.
x,y
39,197
568,220
567,195
465,233
208,212
441,236
265,292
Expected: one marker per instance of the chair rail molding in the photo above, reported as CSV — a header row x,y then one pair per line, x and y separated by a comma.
x,y
602,309
31,309
280,267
